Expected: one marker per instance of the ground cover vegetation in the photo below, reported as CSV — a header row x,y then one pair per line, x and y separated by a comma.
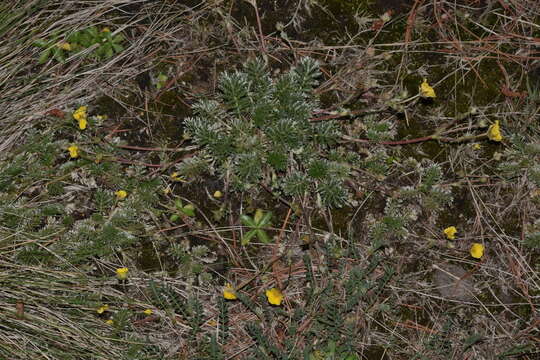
x,y
288,179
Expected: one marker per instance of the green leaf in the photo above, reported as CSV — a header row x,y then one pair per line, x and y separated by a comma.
x,y
40,43
75,37
178,204
92,30
247,221
108,51
258,216
118,38
263,236
58,55
471,340
174,217
44,56
106,36
161,80
247,238
265,219
189,210
118,48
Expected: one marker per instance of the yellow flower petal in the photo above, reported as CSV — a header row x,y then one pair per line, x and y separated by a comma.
x,y
229,293
450,232
73,151
102,309
477,146
121,194
105,29
64,46
275,297
218,194
177,177
494,132
148,312
109,322
82,123
477,250
122,273
80,113
426,91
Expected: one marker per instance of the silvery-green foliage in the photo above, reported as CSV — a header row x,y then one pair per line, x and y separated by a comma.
x,y
258,128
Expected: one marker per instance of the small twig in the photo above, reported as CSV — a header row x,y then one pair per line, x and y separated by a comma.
x,y
344,114
282,200
264,269
140,148
442,130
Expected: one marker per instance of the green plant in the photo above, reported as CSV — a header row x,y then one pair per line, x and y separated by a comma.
x,y
187,210
106,45
257,224
161,80
332,352
52,48
258,130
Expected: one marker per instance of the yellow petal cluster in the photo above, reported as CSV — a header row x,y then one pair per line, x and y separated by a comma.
x,y
122,273
109,322
73,151
177,177
450,232
218,194
102,309
64,46
121,194
426,91
229,293
148,312
477,250
275,296
80,116
494,132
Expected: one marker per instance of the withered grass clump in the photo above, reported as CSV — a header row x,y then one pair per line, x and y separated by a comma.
x,y
375,278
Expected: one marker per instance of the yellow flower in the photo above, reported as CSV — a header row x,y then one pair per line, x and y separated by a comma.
x,y
229,293
121,194
177,177
477,250
105,29
80,116
102,309
121,273
82,124
109,322
477,146
275,297
73,151
426,91
218,194
494,132
80,113
148,312
64,46
450,232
